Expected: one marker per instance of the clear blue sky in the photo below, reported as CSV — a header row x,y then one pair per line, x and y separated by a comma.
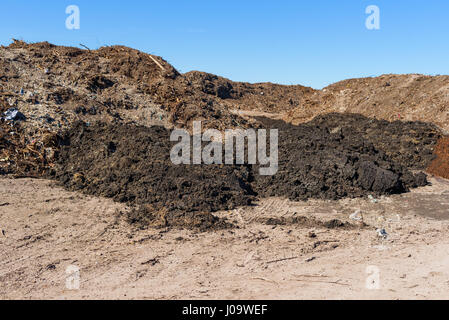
x,y
313,42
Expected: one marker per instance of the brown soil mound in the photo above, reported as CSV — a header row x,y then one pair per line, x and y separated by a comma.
x,y
55,86
440,165
131,164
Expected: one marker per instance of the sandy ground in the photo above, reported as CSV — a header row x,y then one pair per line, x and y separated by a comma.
x,y
45,230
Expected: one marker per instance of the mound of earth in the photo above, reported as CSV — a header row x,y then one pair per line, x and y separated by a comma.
x,y
409,143
55,86
347,155
266,97
98,121
316,160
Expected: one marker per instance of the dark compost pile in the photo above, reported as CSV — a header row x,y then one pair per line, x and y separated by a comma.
x,y
331,157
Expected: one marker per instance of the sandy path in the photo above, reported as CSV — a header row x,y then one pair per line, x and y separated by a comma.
x,y
45,229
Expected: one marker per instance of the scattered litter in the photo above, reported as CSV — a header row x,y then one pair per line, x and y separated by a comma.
x,y
373,200
382,233
357,215
335,130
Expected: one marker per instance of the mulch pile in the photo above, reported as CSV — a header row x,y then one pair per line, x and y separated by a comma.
x,y
21,155
348,155
316,160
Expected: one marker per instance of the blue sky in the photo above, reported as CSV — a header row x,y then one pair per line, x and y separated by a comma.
x,y
313,43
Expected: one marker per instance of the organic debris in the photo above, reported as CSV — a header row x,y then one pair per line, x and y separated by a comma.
x,y
405,97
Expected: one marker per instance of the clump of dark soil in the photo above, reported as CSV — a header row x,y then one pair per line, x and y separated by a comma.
x,y
316,160
440,165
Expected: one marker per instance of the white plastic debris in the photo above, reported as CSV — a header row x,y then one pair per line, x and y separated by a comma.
x,y
382,233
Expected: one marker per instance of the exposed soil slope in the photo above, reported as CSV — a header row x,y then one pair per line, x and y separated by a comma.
x,y
316,160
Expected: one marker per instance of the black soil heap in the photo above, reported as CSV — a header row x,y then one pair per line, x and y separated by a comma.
x,y
331,157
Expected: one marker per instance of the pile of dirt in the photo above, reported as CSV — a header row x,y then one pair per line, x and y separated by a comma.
x,y
316,160
98,121
265,97
73,84
408,143
440,165
55,86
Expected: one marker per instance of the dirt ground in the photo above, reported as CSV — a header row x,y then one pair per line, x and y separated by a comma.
x,y
280,250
